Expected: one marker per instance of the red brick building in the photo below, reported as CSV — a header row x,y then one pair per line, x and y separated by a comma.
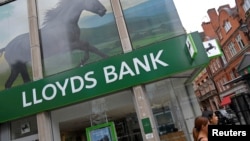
x,y
227,26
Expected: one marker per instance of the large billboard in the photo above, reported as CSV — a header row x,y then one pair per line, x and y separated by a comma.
x,y
75,33
72,34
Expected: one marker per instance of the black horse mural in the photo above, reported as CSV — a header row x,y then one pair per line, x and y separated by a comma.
x,y
59,34
210,47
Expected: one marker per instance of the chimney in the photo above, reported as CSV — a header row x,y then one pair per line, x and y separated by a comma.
x,y
214,19
209,31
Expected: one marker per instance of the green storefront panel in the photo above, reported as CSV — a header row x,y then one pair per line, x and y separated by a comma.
x,y
154,62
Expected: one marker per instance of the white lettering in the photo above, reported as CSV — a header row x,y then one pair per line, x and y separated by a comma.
x,y
88,78
35,100
138,63
214,132
156,60
125,69
25,104
73,84
111,74
54,92
63,88
244,133
110,71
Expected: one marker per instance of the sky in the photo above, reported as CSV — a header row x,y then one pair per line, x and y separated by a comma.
x,y
193,12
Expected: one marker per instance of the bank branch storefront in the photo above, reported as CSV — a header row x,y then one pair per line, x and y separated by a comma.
x,y
132,84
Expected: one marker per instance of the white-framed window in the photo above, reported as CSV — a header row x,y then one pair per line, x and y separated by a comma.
x,y
215,66
223,58
232,49
221,85
246,5
222,82
227,26
212,68
218,63
220,35
239,41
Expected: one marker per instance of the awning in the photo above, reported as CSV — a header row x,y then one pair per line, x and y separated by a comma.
x,y
226,100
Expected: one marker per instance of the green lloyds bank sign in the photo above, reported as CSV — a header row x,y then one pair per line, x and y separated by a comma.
x,y
141,66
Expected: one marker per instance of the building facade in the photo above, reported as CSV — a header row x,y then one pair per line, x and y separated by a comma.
x,y
226,25
88,70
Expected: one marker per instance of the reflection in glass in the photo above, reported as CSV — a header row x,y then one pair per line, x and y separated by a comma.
x,y
151,21
165,123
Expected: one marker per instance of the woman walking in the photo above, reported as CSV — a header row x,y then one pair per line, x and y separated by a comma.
x,y
200,130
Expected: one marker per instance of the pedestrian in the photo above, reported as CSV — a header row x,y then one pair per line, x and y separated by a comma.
x,y
200,130
211,116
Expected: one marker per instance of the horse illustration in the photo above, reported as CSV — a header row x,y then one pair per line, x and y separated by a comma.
x,y
210,46
59,34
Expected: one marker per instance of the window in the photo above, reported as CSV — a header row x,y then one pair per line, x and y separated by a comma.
x,y
232,49
219,86
218,63
62,54
220,35
223,59
221,83
227,26
9,17
246,5
212,68
162,21
225,81
239,41
215,66
165,121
